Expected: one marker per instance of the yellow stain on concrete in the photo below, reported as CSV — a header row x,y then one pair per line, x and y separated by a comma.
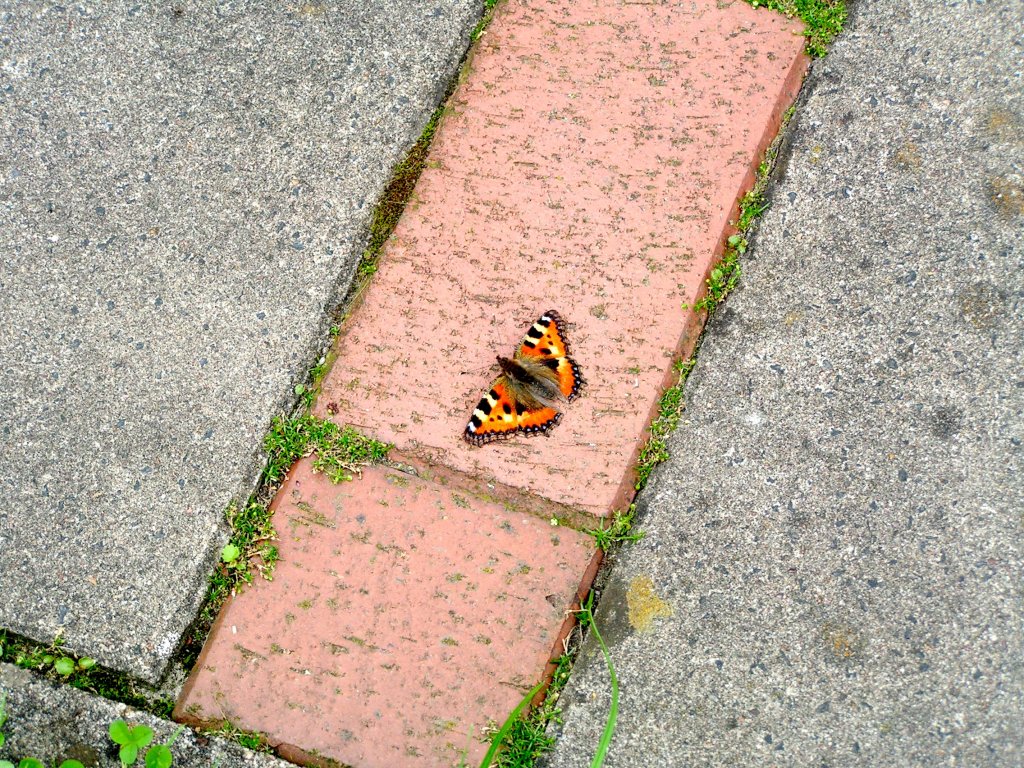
x,y
644,604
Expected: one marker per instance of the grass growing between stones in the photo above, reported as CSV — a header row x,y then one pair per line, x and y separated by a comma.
x,y
670,409
619,531
59,664
527,739
824,19
522,740
253,740
481,26
725,275
250,549
310,388
338,452
721,281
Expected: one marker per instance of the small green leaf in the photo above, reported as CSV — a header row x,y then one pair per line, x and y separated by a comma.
x,y
64,666
300,388
230,553
47,659
6,764
158,757
119,732
128,753
735,240
30,762
71,764
86,663
2,739
142,735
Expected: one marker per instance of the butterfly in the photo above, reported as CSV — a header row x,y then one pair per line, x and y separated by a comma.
x,y
532,387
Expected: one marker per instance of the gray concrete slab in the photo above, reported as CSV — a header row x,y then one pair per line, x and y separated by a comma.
x,y
834,553
184,191
56,722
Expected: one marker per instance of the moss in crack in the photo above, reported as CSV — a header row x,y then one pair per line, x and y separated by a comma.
x,y
670,409
396,196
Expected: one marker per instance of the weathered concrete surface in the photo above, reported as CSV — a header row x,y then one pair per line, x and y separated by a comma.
x,y
54,723
833,563
183,191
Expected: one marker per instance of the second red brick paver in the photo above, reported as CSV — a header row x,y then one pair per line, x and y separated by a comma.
x,y
403,619
589,163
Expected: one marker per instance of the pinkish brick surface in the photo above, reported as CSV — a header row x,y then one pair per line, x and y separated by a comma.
x,y
401,620
589,163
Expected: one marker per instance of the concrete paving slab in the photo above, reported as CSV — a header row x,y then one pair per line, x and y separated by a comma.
x,y
184,190
403,618
834,554
53,723
590,163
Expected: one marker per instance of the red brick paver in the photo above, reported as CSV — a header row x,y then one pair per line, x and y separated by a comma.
x,y
589,163
402,619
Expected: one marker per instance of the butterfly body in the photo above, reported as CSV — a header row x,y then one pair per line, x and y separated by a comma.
x,y
534,384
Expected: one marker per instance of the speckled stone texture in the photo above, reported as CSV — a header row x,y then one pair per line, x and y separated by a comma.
x,y
403,618
53,723
589,163
184,190
832,567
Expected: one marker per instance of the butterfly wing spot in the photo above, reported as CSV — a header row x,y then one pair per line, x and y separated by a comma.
x,y
535,334
493,418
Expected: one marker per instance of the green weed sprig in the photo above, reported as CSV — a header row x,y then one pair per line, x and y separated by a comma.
x,y
619,531
823,19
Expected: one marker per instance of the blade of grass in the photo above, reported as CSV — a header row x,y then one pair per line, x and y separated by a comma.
x,y
613,711
507,725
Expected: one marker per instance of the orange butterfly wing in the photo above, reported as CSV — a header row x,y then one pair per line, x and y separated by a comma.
x,y
498,416
546,339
